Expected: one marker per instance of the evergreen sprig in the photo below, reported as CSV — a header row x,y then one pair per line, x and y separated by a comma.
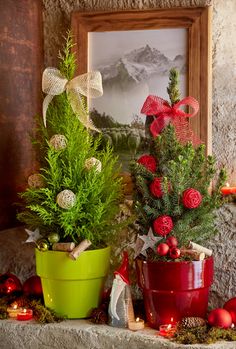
x,y
180,167
97,193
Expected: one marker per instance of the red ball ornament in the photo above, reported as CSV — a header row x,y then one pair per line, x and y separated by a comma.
x,y
162,249
155,187
33,287
191,198
163,225
174,253
230,306
9,283
220,318
172,241
149,162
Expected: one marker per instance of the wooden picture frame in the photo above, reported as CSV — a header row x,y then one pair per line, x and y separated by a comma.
x,y
196,20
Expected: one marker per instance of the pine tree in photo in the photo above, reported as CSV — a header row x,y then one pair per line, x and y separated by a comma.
x,y
172,196
76,194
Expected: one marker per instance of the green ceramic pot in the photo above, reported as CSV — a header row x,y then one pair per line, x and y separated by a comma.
x,y
73,288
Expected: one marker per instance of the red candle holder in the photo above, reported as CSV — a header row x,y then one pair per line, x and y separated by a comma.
x,y
25,314
227,190
167,330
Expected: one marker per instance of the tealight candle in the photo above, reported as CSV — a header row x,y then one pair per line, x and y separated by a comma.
x,y
136,325
13,310
227,190
167,330
25,314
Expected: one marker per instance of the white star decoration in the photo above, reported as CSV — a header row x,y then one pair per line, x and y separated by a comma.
x,y
149,241
33,235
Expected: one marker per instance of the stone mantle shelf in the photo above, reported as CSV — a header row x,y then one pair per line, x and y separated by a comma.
x,y
81,334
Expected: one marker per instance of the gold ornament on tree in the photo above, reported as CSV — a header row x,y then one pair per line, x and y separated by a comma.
x,y
66,199
43,245
93,162
58,142
36,181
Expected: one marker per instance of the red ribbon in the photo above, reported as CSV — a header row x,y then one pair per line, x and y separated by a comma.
x,y
165,113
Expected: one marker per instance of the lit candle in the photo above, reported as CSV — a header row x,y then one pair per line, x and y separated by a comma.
x,y
227,190
167,330
13,310
25,314
136,325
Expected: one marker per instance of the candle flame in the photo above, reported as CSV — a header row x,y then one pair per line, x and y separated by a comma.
x,y
24,310
171,319
169,327
15,306
137,320
227,185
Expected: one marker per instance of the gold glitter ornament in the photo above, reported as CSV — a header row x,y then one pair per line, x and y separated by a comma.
x,y
43,245
36,181
58,142
66,199
93,162
53,238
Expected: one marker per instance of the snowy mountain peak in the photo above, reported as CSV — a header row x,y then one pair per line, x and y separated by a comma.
x,y
138,65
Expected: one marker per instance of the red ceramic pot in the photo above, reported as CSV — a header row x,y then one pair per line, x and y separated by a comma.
x,y
173,290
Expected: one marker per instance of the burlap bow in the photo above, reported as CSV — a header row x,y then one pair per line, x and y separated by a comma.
x,y
89,85
164,114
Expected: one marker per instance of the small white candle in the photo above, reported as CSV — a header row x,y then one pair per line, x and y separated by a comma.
x,y
136,325
13,311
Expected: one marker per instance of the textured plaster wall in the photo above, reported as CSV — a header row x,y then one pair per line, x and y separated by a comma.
x,y
56,23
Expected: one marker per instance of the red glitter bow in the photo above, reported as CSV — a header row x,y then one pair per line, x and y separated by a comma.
x,y
165,113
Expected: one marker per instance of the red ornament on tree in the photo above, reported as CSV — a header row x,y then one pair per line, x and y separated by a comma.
x,y
174,253
155,187
191,198
149,162
33,287
162,249
163,225
230,306
220,318
9,283
172,241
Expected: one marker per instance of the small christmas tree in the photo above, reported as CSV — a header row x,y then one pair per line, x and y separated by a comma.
x,y
172,197
76,194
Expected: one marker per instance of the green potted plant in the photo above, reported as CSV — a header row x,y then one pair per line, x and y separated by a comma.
x,y
73,199
175,211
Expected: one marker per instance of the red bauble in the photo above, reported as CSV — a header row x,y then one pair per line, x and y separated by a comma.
x,y
33,287
191,198
9,283
162,249
163,225
155,187
149,162
220,318
230,306
174,252
172,241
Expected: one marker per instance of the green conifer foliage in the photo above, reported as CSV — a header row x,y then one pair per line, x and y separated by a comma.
x,y
97,193
180,167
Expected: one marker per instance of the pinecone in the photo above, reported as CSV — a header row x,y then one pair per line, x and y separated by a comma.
x,y
99,316
192,321
21,302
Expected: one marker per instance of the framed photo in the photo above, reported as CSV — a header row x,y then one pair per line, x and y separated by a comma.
x,y
134,51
